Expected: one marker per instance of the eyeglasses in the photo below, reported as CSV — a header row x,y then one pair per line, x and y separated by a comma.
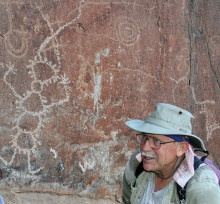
x,y
154,142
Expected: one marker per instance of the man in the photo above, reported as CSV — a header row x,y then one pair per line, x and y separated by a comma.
x,y
167,158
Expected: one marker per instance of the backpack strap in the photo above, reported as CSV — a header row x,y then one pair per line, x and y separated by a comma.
x,y
139,169
182,191
203,151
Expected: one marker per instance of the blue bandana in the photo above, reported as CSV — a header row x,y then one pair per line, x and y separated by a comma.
x,y
178,138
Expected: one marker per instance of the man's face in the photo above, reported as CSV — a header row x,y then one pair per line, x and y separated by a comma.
x,y
161,160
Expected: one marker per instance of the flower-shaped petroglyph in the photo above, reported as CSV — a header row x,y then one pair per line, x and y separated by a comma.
x,y
33,106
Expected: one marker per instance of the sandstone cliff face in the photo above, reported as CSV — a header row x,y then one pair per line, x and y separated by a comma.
x,y
72,73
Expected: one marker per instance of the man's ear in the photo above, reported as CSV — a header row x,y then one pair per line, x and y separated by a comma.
x,y
181,148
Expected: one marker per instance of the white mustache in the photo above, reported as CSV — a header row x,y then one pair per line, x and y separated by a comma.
x,y
146,154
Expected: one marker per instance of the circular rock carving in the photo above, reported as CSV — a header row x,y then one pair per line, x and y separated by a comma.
x,y
16,43
128,31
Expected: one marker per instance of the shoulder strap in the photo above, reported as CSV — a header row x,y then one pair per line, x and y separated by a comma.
x,y
139,169
197,162
206,152
182,191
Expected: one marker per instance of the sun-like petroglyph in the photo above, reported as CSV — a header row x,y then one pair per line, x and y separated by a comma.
x,y
29,119
33,106
128,31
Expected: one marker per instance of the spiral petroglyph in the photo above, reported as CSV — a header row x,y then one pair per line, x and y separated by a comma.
x,y
128,31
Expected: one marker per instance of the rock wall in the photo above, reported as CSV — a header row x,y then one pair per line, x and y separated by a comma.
x,y
72,73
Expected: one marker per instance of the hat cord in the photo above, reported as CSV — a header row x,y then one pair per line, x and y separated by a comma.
x,y
175,168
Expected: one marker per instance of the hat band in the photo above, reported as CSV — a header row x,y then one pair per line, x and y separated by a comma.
x,y
178,138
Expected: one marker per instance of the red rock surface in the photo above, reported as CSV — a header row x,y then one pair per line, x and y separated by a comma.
x,y
72,73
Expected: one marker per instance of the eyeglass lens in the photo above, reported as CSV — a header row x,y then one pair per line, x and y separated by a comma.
x,y
154,142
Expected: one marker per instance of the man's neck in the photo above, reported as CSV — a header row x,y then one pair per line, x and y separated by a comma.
x,y
161,180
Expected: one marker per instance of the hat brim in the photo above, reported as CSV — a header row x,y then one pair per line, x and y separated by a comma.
x,y
141,126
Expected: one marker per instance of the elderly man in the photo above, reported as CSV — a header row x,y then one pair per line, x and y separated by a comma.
x,y
165,160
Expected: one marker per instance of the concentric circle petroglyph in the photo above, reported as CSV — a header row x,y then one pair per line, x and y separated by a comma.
x,y
128,31
16,43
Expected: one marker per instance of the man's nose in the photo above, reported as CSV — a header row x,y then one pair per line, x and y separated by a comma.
x,y
146,146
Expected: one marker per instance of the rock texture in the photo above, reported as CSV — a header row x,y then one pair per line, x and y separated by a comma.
x,y
72,73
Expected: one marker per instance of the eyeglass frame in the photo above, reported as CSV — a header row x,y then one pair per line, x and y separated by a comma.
x,y
149,139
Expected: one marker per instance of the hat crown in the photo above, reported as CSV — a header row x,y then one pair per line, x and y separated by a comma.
x,y
171,117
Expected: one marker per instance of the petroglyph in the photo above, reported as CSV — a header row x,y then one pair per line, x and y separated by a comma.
x,y
182,63
15,39
182,82
16,42
128,31
29,121
211,124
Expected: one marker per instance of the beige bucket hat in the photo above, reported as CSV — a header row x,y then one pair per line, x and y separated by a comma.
x,y
168,120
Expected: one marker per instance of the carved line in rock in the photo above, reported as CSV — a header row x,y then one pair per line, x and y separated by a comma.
x,y
211,125
54,34
56,49
182,63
